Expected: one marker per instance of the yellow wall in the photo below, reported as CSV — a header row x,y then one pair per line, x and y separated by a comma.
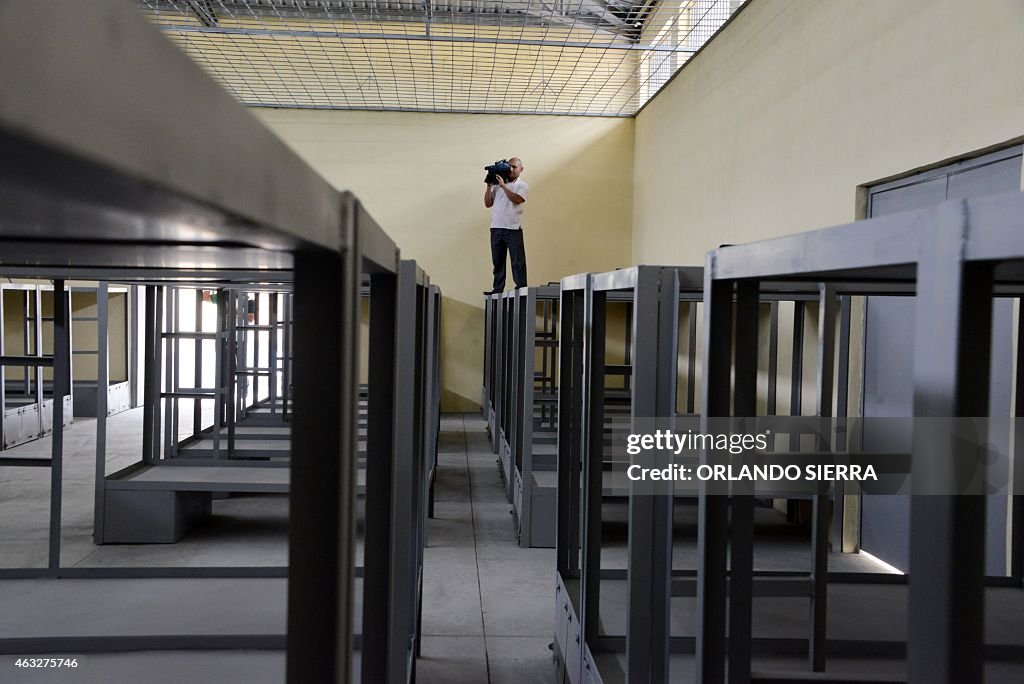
x,y
773,126
83,332
421,177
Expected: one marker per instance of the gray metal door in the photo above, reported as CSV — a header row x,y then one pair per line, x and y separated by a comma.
x,y
888,363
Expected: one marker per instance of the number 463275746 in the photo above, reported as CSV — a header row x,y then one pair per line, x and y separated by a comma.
x,y
46,662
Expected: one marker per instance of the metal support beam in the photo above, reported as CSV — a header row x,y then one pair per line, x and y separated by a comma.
x,y
102,382
691,362
380,450
741,532
151,370
321,530
1017,464
61,388
952,344
648,604
592,457
514,389
827,309
414,37
570,400
773,359
713,508
197,376
524,439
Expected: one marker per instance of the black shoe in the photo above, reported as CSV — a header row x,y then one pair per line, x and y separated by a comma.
x,y
490,292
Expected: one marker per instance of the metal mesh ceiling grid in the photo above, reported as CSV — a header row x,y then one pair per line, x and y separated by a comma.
x,y
585,57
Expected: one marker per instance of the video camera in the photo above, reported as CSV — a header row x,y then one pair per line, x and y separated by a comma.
x,y
499,168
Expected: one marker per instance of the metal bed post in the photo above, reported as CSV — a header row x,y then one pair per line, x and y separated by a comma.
x,y
524,455
423,481
507,369
499,369
796,401
952,344
197,404
591,428
221,378
568,462
542,335
272,355
102,379
286,357
496,360
380,447
38,351
169,343
773,359
627,358
485,399
1017,482
132,322
151,387
414,486
27,340
321,503
432,425
655,317
391,513
61,387
513,394
254,332
570,405
691,361
827,310
741,524
233,388
713,506
840,542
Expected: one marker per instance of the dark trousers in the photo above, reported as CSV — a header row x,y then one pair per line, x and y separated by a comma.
x,y
510,241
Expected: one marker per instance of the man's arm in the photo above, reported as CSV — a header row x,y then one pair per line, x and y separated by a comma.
x,y
513,197
489,196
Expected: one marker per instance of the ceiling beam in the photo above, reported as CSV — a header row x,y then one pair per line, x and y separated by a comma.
x,y
489,40
203,10
593,15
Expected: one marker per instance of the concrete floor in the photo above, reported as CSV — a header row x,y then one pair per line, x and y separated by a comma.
x,y
247,531
487,606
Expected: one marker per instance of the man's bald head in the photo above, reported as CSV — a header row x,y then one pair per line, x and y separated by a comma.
x,y
517,167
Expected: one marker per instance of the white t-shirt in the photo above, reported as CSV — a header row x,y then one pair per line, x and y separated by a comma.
x,y
505,214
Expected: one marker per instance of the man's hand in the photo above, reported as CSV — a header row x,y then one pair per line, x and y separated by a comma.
x,y
513,197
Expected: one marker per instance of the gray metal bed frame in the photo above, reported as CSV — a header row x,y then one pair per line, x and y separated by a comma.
x,y
656,293
106,176
955,255
525,459
954,258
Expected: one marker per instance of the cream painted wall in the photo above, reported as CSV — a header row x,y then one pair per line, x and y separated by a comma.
x,y
773,126
83,332
421,177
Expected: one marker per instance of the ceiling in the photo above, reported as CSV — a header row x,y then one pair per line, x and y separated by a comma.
x,y
581,57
